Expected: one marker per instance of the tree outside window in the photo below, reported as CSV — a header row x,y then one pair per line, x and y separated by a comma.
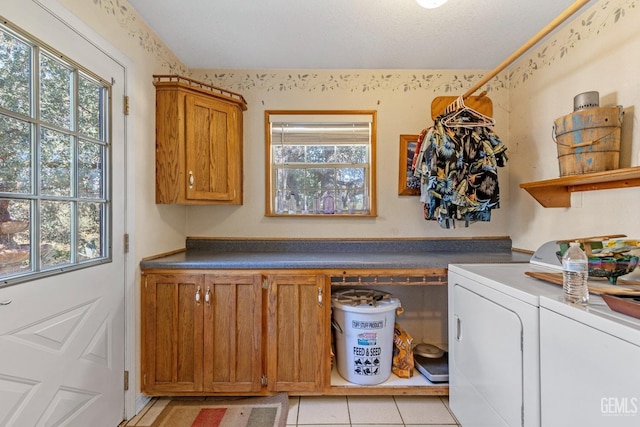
x,y
321,163
54,152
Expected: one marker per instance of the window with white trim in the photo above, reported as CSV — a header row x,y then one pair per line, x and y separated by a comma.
x,y
54,158
320,163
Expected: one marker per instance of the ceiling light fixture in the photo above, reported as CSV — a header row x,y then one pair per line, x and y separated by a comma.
x,y
431,4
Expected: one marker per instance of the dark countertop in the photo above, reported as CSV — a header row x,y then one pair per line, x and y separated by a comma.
x,y
336,254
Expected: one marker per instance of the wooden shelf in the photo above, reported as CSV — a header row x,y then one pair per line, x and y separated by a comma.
x,y
556,193
417,385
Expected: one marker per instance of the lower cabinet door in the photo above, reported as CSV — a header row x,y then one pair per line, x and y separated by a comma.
x,y
232,332
297,336
172,333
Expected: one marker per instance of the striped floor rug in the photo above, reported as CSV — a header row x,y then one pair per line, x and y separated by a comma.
x,y
269,411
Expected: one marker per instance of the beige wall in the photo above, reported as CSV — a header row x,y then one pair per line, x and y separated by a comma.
x,y
596,51
402,99
155,228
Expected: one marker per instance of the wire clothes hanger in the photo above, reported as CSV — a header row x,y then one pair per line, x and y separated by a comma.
x,y
457,114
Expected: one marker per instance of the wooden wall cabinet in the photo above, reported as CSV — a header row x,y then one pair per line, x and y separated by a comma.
x,y
203,333
198,142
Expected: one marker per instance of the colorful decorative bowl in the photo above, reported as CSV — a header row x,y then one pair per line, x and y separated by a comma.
x,y
610,267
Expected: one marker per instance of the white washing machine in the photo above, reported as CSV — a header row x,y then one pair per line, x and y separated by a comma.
x,y
494,361
589,365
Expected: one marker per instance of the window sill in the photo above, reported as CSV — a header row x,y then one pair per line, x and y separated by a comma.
x,y
356,214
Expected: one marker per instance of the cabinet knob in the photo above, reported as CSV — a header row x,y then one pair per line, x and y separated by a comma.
x,y
198,295
320,297
191,179
207,296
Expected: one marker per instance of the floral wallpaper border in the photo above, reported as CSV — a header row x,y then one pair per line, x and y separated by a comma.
x,y
128,19
592,22
443,81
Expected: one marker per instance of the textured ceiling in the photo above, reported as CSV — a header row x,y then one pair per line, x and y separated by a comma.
x,y
346,34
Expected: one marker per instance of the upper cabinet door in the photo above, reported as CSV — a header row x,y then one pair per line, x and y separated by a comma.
x,y
212,149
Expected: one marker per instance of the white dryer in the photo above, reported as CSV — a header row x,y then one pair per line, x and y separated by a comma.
x,y
494,362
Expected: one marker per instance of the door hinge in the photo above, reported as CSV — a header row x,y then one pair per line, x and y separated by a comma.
x,y
265,283
264,380
126,380
126,243
126,105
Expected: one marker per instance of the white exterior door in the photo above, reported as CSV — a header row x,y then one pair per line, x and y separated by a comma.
x,y
62,346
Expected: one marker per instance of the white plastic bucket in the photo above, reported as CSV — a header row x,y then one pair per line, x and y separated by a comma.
x,y
364,320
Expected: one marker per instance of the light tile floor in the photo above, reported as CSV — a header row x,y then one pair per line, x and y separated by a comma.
x,y
366,411
347,411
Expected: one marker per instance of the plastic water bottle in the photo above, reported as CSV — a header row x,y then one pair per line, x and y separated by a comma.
x,y
575,271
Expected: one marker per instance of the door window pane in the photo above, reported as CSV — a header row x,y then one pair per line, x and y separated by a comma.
x,y
55,163
55,231
15,72
90,170
55,92
90,216
15,236
15,155
90,108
